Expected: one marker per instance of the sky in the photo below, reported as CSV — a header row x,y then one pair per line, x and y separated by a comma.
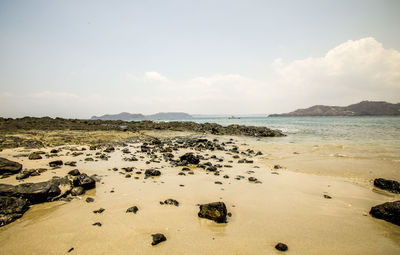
x,y
76,59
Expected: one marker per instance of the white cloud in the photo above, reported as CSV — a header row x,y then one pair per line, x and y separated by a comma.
x,y
350,72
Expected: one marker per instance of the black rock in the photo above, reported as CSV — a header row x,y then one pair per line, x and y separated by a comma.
x,y
34,156
34,192
132,209
77,191
190,158
71,249
281,247
9,167
252,179
74,172
218,182
12,208
70,163
152,172
55,163
158,238
97,224
101,210
389,185
170,201
327,196
89,200
212,168
215,211
84,181
389,211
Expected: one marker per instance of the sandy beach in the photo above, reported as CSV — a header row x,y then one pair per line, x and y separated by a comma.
x,y
287,204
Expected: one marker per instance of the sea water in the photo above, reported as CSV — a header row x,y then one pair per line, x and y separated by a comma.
x,y
366,130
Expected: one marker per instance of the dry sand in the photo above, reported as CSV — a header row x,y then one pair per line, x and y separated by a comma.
x,y
288,207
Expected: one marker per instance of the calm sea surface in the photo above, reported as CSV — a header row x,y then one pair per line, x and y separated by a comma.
x,y
363,130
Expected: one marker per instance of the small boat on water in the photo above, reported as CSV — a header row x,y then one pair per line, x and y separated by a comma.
x,y
233,117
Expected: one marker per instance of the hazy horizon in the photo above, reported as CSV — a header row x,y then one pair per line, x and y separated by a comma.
x,y
76,59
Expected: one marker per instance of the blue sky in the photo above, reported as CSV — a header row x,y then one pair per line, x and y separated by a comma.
x,y
83,58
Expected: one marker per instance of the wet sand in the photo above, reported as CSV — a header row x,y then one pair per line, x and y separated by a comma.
x,y
287,207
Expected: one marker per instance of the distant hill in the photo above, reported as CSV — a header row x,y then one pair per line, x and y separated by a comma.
x,y
169,115
137,116
364,108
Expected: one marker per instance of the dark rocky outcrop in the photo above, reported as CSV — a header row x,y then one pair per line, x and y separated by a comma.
x,y
158,238
8,167
215,211
12,208
47,123
389,211
389,185
33,192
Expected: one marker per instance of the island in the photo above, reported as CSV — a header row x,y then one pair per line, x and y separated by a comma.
x,y
364,108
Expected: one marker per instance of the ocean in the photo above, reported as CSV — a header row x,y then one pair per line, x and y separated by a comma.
x,y
366,130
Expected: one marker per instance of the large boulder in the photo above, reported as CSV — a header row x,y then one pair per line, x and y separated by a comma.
x,y
152,172
84,181
33,192
189,158
8,167
389,185
215,211
12,208
389,211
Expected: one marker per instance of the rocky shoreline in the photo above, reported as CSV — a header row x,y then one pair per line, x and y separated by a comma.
x,y
47,123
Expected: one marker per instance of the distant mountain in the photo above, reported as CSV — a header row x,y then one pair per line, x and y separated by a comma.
x,y
169,115
364,108
130,116
119,116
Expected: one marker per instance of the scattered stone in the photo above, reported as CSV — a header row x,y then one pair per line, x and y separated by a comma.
x,y
158,238
252,179
281,247
74,172
170,201
277,167
55,163
215,211
70,163
89,200
226,176
389,185
34,156
327,196
190,158
389,211
132,209
152,172
101,210
218,182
